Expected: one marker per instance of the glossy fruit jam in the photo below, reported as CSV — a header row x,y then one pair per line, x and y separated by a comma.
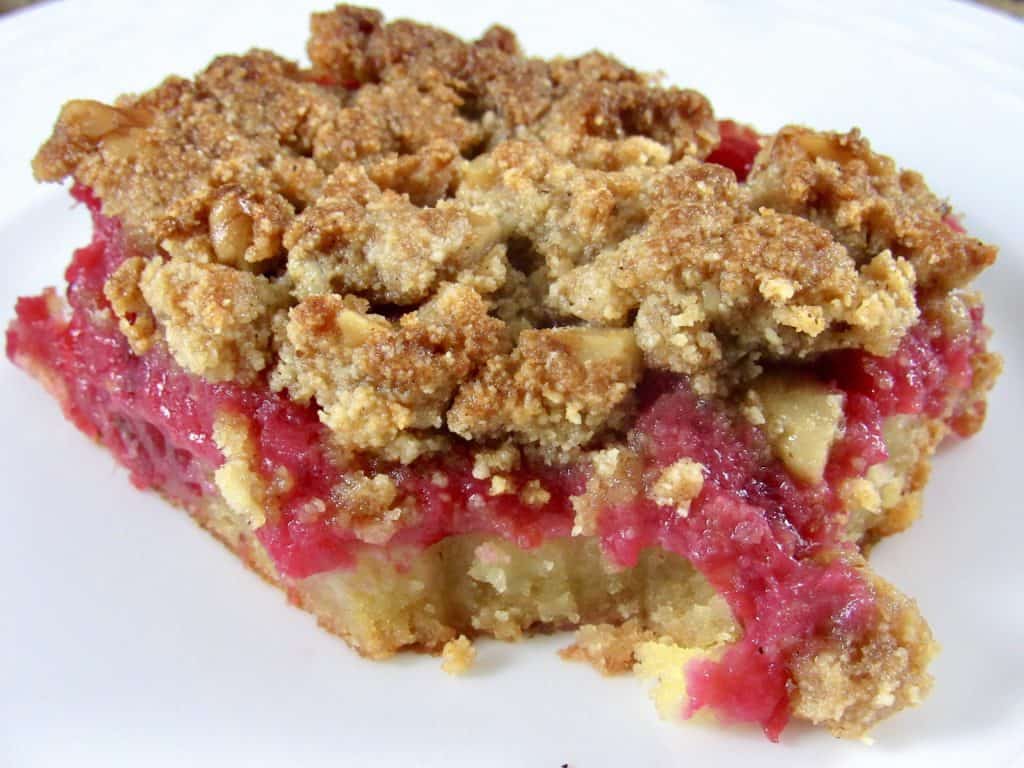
x,y
766,542
737,147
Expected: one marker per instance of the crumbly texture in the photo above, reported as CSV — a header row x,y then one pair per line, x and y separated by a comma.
x,y
851,690
556,390
384,387
418,206
216,321
437,243
609,648
458,655
869,205
679,484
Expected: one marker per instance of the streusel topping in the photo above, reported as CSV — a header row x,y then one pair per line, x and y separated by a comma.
x,y
436,240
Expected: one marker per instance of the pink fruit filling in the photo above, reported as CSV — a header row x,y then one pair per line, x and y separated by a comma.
x,y
737,148
765,541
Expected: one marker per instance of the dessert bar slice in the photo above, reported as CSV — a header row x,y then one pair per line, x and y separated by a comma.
x,y
449,342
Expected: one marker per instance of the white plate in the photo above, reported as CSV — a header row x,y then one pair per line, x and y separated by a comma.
x,y
128,637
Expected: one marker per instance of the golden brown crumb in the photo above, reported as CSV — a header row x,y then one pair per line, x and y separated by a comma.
x,y
606,647
836,181
556,390
360,239
849,690
381,385
713,282
458,656
616,479
134,317
679,484
216,320
370,506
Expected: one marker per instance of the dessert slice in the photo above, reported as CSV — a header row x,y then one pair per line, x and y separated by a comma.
x,y
448,342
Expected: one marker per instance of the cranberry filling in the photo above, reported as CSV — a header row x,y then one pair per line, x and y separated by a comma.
x,y
737,148
765,541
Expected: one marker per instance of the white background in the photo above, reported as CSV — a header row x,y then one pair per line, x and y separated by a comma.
x,y
127,637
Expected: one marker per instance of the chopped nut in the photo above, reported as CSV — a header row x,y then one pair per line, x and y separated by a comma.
x,y
230,230
836,181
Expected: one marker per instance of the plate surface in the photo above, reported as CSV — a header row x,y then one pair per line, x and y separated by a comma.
x,y
128,637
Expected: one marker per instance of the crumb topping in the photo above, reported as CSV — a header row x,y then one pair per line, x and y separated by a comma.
x,y
215,320
360,239
371,506
381,384
582,105
123,290
679,484
417,224
836,181
554,391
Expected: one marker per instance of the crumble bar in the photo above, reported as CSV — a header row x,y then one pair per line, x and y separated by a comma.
x,y
448,341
